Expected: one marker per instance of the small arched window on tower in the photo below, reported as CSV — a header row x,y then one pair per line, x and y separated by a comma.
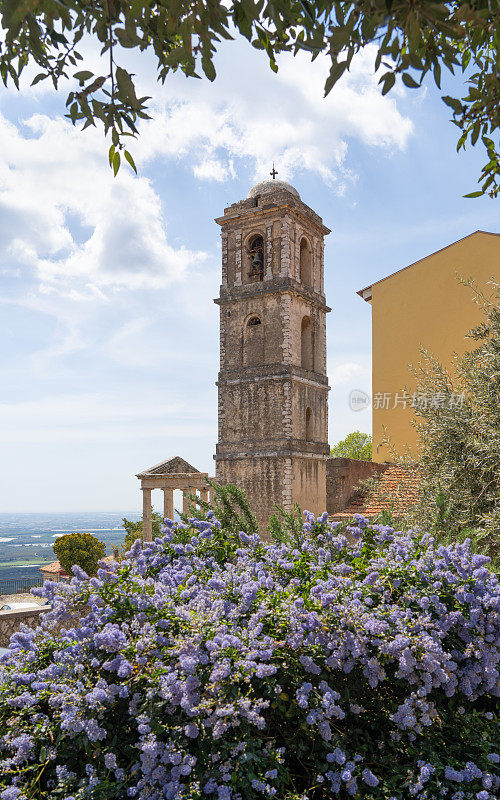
x,y
308,425
253,342
305,263
256,259
306,344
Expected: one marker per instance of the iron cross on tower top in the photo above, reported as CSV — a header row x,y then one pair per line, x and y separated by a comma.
x,y
273,172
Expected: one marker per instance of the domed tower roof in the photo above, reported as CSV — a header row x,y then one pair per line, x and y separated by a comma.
x,y
266,187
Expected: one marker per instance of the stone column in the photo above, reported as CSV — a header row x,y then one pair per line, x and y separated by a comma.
x,y
287,484
286,312
238,257
224,258
147,525
295,265
285,246
168,503
322,267
269,252
204,494
185,500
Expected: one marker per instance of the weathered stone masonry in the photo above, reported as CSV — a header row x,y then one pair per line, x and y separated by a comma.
x,y
10,622
272,384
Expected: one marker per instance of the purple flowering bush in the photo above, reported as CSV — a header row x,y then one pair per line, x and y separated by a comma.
x,y
212,665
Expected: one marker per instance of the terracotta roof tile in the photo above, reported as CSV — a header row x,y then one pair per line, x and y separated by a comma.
x,y
397,485
54,568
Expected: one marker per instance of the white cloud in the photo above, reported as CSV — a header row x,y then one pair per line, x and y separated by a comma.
x,y
55,180
346,374
251,113
213,170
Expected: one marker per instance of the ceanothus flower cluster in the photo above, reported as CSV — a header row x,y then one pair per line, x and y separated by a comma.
x,y
357,662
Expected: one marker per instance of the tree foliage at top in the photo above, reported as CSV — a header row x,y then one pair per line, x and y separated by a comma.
x,y
411,39
460,441
356,445
81,549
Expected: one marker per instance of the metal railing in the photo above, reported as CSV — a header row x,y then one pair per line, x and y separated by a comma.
x,y
19,585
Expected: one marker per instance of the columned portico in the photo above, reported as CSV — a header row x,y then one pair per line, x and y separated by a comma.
x,y
175,473
168,503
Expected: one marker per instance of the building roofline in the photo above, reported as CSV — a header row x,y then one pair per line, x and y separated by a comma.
x,y
366,293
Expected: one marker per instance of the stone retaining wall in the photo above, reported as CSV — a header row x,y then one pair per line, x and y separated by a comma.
x,y
343,476
10,622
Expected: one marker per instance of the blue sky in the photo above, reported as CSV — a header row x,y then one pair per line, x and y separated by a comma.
x,y
109,336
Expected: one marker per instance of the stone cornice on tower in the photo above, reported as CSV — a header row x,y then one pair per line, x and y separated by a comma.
x,y
271,372
278,284
294,448
237,213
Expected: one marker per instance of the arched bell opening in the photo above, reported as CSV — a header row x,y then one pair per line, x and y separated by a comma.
x,y
255,254
305,262
306,344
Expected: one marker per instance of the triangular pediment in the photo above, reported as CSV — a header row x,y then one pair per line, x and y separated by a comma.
x,y
171,466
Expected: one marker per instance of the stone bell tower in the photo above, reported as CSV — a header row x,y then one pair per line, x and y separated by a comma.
x,y
273,387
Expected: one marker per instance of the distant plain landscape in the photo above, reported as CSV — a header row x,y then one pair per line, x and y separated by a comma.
x,y
26,540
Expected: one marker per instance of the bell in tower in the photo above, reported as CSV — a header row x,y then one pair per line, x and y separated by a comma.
x,y
256,254
272,384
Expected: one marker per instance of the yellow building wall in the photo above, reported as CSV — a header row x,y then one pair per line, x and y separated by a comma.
x,y
426,305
